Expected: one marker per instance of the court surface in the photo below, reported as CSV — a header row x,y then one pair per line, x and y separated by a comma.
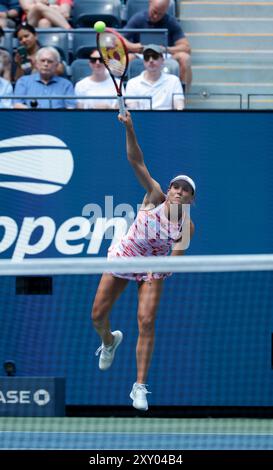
x,y
135,433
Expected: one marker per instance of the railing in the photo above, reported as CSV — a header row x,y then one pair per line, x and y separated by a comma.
x,y
33,100
264,101
260,101
230,100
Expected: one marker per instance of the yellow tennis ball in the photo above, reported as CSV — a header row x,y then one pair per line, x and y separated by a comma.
x,y
99,26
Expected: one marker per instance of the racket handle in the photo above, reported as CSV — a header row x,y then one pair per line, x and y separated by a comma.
x,y
121,104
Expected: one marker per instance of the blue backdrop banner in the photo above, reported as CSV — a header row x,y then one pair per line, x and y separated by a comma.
x,y
67,188
59,169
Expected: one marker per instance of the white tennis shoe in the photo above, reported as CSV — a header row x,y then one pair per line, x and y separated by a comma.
x,y
107,353
138,395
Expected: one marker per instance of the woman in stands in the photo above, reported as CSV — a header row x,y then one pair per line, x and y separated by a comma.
x,y
157,230
97,85
25,63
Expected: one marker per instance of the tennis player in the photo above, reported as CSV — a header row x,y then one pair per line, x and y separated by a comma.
x,y
156,231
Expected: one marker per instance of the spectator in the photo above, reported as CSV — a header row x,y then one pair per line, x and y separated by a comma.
x,y
47,13
26,52
99,83
165,89
5,59
5,89
45,83
156,17
28,47
10,11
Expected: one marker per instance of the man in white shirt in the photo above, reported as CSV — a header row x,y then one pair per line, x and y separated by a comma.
x,y
99,84
165,89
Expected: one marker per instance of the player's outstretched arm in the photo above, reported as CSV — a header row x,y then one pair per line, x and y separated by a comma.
x,y
135,157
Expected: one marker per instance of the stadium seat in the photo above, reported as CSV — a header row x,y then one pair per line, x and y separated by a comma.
x,y
171,66
133,6
83,41
136,67
154,36
55,37
87,12
6,41
79,69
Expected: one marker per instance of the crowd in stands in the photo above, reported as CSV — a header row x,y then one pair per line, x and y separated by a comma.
x,y
97,84
45,14
164,89
32,75
44,82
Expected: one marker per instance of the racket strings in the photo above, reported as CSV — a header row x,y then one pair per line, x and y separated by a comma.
x,y
113,53
115,66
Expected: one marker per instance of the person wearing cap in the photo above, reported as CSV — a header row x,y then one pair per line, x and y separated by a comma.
x,y
162,227
164,90
157,17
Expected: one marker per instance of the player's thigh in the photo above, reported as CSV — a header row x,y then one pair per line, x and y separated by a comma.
x,y
109,289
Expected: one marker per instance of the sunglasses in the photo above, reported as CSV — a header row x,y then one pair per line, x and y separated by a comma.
x,y
93,60
152,55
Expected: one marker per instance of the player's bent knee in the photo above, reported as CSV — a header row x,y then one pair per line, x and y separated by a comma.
x,y
97,318
44,23
99,312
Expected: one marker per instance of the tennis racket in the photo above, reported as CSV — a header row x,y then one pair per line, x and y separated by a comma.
x,y
114,54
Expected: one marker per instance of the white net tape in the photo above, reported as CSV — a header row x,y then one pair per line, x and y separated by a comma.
x,y
212,263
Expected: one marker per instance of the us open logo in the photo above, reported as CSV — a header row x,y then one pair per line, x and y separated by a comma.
x,y
41,397
37,164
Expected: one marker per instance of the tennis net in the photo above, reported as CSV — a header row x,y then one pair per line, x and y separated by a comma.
x,y
213,329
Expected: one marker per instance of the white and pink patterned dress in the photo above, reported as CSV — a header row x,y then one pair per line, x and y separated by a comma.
x,y
151,234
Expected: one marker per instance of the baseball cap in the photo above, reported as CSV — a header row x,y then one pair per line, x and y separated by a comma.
x,y
184,178
154,47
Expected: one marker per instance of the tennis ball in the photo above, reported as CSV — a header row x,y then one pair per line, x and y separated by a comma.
x,y
99,26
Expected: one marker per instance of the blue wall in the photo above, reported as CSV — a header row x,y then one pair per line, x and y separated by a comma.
x,y
214,330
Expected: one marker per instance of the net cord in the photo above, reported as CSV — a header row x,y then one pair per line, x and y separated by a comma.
x,y
187,264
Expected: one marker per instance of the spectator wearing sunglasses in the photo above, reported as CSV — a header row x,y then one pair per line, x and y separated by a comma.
x,y
156,16
98,84
164,89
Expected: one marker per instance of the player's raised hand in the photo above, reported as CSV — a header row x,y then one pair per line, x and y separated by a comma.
x,y
127,120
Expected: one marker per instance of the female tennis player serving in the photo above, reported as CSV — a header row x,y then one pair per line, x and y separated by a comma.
x,y
156,231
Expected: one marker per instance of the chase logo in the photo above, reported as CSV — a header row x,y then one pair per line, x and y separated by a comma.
x,y
37,164
41,397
